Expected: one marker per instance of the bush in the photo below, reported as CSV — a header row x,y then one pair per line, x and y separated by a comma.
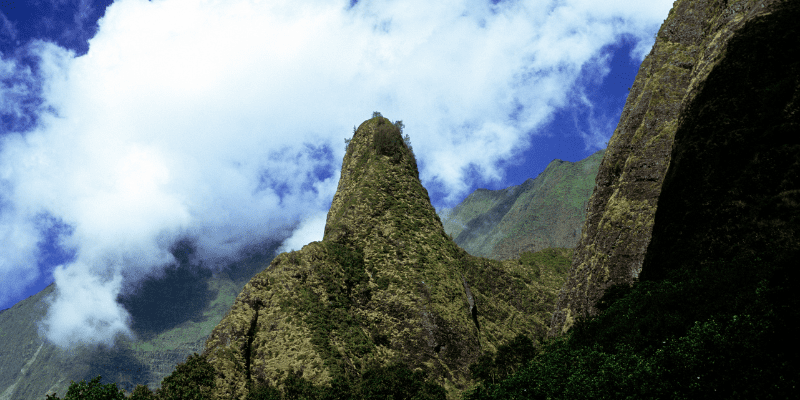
x,y
192,380
398,382
386,140
510,357
141,392
712,333
92,390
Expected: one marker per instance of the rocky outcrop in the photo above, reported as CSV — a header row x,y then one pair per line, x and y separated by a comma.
x,y
545,212
689,46
733,187
385,285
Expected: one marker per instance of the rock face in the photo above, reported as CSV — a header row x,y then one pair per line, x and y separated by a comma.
x,y
742,130
545,212
689,47
385,285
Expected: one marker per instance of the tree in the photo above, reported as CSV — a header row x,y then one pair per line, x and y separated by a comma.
x,y
91,390
399,124
141,392
192,380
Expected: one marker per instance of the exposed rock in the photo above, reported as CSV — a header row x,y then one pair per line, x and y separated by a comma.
x,y
733,187
548,211
386,284
689,46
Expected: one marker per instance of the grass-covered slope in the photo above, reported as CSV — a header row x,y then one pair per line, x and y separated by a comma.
x,y
545,212
386,286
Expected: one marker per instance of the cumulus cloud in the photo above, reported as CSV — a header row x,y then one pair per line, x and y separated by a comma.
x,y
222,121
309,230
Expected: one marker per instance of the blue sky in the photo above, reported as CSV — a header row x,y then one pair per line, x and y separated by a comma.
x,y
127,126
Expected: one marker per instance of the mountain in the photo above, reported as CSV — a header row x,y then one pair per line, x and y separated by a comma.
x,y
742,129
689,46
172,315
386,285
543,212
714,311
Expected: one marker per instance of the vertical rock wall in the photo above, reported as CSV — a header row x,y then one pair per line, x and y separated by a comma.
x,y
733,187
621,213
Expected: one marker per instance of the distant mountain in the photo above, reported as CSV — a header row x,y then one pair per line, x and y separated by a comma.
x,y
543,212
386,285
172,317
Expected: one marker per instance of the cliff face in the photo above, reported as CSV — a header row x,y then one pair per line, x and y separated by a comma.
x,y
742,131
386,284
689,46
545,212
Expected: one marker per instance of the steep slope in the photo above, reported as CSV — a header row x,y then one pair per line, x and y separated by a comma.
x,y
548,211
742,129
169,327
385,285
714,312
618,228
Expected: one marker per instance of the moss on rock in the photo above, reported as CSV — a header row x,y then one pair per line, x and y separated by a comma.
x,y
386,285
619,223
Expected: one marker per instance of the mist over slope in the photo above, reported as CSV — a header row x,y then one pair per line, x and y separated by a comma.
x,y
172,317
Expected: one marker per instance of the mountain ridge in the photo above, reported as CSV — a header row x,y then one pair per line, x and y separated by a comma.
x,y
543,212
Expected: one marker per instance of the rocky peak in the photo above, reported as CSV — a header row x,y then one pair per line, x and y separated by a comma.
x,y
385,285
378,191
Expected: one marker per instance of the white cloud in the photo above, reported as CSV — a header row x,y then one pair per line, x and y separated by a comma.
x,y
223,120
312,229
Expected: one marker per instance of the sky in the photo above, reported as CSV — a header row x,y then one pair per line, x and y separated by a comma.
x,y
129,126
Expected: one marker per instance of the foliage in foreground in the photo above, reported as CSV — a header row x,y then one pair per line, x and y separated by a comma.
x,y
91,390
194,379
715,333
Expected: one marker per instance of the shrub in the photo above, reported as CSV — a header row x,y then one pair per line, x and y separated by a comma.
x,y
192,380
386,140
91,390
141,392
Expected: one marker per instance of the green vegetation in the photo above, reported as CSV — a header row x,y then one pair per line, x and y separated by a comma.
x,y
493,367
548,211
393,382
92,390
552,260
715,333
387,141
192,380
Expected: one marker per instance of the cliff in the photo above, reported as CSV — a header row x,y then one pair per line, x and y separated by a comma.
x,y
615,238
385,285
742,130
543,212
